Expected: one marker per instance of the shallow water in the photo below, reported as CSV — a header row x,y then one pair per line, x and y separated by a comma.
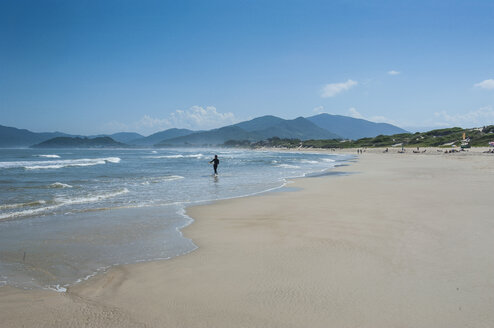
x,y
68,214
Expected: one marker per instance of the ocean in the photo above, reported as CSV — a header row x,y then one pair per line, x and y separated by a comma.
x,y
67,214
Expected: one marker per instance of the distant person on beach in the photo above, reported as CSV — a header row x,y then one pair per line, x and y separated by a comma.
x,y
215,162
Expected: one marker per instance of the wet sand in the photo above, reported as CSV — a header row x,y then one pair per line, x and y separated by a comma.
x,y
401,240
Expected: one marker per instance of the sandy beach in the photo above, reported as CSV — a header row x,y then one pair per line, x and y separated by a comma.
x,y
394,240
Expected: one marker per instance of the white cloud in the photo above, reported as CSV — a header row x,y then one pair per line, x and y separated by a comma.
x,y
148,122
198,117
194,118
332,89
393,72
318,109
480,117
486,84
352,112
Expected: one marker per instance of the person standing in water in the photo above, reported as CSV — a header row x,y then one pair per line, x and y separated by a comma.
x,y
215,162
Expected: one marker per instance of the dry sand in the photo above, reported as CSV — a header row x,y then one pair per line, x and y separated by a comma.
x,y
402,240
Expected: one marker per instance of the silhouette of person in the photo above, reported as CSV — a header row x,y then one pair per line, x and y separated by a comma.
x,y
215,162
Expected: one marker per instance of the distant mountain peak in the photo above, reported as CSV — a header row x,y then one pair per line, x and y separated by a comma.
x,y
353,128
259,128
321,126
160,136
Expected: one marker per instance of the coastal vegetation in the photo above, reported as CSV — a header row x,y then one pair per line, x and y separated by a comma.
x,y
477,137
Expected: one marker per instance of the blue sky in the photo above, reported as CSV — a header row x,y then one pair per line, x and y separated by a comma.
x,y
106,66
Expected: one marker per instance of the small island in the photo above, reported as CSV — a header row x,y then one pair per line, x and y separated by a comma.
x,y
77,142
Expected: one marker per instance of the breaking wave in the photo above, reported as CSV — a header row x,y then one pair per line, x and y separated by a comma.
x,y
54,204
60,185
18,205
48,156
288,166
57,164
178,156
306,161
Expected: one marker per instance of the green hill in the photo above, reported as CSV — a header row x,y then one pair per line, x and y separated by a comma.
x,y
259,123
254,130
212,137
160,136
478,137
13,137
353,128
299,128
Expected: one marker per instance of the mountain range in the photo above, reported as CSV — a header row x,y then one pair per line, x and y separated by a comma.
x,y
322,126
160,136
13,137
353,128
254,130
77,142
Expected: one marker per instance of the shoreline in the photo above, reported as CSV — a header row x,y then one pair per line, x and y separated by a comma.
x,y
257,253
46,278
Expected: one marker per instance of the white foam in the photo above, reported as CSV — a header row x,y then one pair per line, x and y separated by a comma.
x,y
167,156
328,160
90,199
178,156
112,159
57,164
166,178
306,161
288,166
17,205
27,212
49,156
58,202
60,185
58,289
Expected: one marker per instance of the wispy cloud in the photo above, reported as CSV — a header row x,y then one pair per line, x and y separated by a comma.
x,y
479,117
332,89
352,112
149,122
486,84
393,72
194,118
198,117
318,109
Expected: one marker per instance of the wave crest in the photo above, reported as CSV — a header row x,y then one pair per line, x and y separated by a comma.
x,y
57,164
60,185
56,203
288,166
48,156
178,156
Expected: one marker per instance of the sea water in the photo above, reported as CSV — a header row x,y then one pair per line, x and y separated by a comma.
x,y
68,214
